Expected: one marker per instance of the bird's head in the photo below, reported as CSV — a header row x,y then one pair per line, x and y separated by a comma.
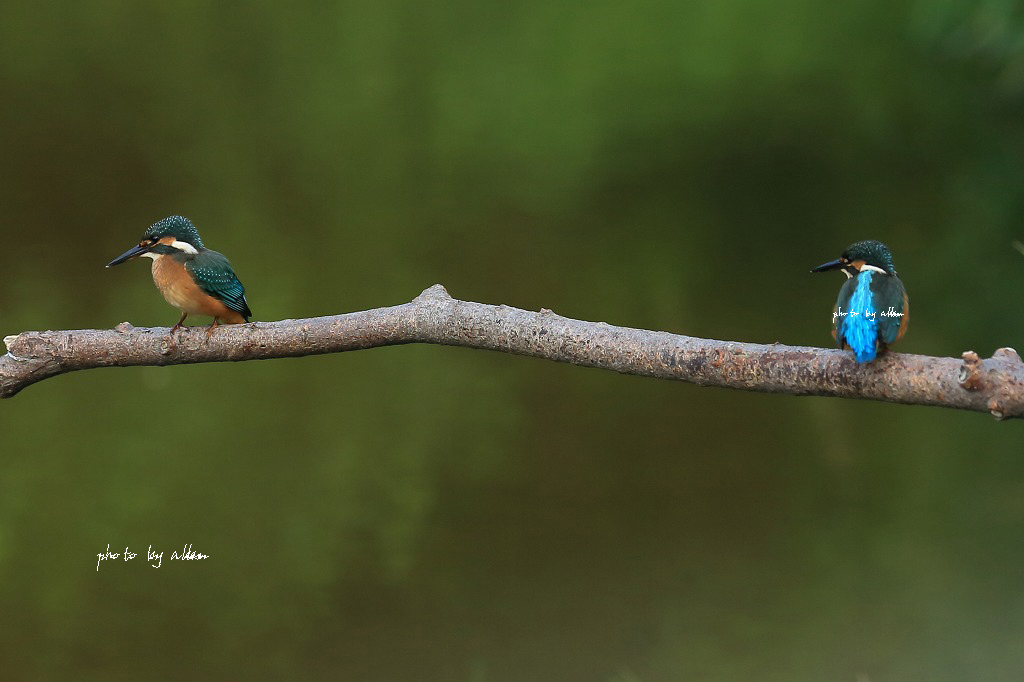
x,y
866,255
170,235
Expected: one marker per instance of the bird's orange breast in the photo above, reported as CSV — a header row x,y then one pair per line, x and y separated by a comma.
x,y
179,289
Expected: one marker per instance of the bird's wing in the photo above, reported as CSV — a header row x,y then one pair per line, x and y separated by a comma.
x,y
213,274
842,311
891,322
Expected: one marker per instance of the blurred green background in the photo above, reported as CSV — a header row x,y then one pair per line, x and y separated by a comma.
x,y
429,513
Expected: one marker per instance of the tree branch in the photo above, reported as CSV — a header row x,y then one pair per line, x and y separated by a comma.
x,y
994,385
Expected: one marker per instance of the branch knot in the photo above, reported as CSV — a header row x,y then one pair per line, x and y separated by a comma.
x,y
970,371
436,292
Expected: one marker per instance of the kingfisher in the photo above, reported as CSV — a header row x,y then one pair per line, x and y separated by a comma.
x,y
872,309
191,277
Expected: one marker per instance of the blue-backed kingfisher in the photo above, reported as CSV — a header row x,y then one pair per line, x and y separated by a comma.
x,y
192,278
872,309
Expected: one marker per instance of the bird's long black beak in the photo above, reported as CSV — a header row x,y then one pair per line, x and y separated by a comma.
x,y
831,265
133,252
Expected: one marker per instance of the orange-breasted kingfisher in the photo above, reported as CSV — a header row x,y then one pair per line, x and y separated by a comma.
x,y
872,309
191,277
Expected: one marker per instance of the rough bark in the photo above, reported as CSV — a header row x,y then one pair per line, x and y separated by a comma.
x,y
993,385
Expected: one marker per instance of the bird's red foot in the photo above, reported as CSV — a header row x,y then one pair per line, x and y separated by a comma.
x,y
178,326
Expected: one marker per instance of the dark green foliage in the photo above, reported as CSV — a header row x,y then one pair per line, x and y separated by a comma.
x,y
433,514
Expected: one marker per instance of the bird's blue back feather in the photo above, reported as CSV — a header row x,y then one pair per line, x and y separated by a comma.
x,y
860,328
